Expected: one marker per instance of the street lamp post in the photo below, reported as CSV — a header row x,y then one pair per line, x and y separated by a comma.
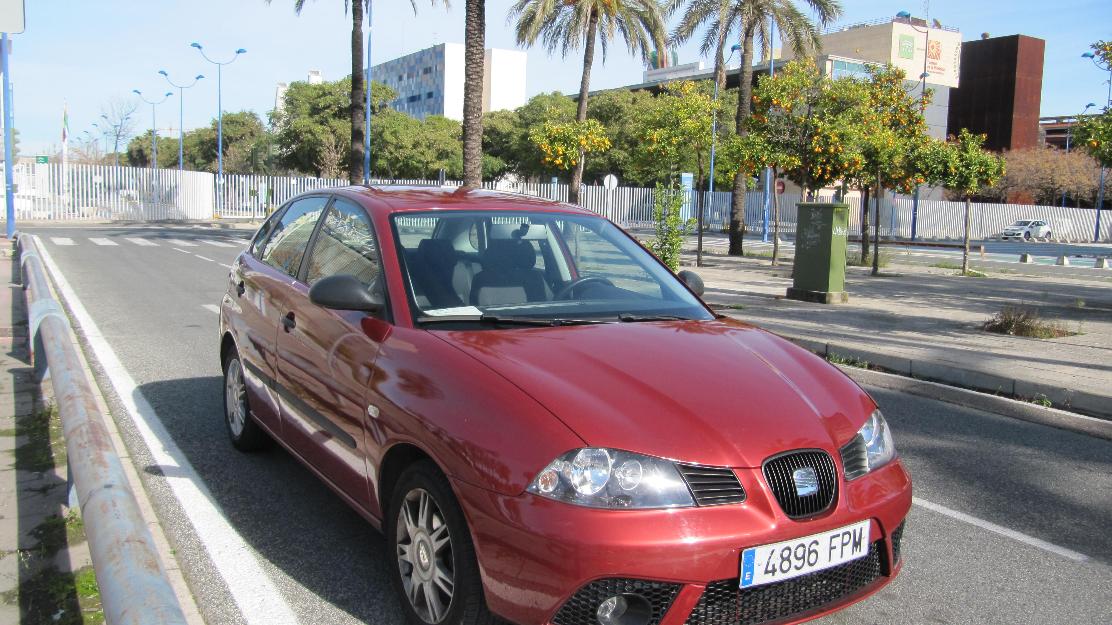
x,y
768,170
1069,135
181,113
219,119
154,124
922,110
1108,103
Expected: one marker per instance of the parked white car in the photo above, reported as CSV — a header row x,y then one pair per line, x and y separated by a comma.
x,y
1027,229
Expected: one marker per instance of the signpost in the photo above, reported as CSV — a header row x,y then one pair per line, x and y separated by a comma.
x,y
42,159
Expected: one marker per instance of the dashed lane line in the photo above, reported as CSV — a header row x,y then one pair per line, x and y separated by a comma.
x,y
257,597
183,251
205,258
213,308
217,243
141,242
180,242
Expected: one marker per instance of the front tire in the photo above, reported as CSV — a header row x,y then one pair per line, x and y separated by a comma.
x,y
431,557
245,434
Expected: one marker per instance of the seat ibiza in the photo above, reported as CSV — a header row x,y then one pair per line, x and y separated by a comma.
x,y
548,425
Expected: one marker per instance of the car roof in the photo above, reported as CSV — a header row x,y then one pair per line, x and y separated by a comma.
x,y
391,199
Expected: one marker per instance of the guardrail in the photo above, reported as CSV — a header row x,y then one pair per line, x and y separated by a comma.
x,y
133,584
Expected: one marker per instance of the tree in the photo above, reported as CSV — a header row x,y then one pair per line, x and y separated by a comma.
x,y
506,134
119,119
315,117
1047,176
1094,135
570,24
753,18
676,132
564,143
474,58
964,167
356,105
139,151
619,111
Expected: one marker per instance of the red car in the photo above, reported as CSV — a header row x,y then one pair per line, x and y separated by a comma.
x,y
547,424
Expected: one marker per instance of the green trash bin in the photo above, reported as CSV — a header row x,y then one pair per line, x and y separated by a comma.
x,y
820,253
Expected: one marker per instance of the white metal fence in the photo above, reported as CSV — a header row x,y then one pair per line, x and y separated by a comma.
x,y
93,192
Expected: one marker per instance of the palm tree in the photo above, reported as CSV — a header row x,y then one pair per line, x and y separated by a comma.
x,y
568,24
358,83
474,68
754,21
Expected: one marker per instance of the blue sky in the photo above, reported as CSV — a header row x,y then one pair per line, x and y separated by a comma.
x,y
86,53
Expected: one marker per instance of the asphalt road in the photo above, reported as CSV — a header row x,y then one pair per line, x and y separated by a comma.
x,y
154,304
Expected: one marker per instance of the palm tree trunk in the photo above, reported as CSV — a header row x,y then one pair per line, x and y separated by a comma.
x,y
720,60
744,109
474,53
358,107
699,211
581,112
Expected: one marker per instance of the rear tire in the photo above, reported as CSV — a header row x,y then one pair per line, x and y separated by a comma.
x,y
430,555
245,434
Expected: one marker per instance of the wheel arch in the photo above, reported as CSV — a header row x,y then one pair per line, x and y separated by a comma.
x,y
227,346
399,457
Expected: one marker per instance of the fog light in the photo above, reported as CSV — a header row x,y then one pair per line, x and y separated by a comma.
x,y
624,610
611,611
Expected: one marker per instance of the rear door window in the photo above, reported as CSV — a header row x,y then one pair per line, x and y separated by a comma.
x,y
346,245
290,236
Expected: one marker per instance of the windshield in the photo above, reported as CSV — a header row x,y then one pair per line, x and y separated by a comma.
x,y
535,267
1021,223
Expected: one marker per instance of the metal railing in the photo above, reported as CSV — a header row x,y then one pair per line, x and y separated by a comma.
x,y
133,585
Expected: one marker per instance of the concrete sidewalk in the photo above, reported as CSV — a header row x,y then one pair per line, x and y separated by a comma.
x,y
926,323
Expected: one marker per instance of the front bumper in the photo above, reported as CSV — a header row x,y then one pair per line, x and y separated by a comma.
x,y
539,556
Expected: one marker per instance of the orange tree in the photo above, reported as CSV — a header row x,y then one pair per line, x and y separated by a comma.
x,y
964,167
562,142
675,134
807,127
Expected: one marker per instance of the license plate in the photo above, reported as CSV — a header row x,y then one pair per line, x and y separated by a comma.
x,y
800,556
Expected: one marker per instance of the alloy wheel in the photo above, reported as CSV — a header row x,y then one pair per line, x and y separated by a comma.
x,y
235,398
425,558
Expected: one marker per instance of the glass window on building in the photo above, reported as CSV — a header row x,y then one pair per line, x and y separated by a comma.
x,y
427,71
848,69
428,96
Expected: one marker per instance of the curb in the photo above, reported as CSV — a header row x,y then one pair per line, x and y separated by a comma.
x,y
931,379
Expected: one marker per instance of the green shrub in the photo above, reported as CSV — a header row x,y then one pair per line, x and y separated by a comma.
x,y
670,226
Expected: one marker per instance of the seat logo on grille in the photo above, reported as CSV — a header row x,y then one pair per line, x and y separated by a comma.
x,y
806,481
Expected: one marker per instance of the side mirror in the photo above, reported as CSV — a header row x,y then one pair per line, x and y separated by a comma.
x,y
693,281
344,292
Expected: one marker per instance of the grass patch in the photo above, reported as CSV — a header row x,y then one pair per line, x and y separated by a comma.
x,y
761,254
53,597
45,448
848,361
947,265
1041,400
1023,321
973,273
853,259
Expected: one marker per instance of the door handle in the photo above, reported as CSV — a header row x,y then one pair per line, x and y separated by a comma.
x,y
288,322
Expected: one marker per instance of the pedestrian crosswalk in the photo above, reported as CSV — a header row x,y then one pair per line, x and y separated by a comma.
x,y
153,241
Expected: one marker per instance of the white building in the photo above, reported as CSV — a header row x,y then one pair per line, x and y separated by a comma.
x,y
314,78
430,81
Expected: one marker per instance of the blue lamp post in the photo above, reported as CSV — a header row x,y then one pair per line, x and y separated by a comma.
x,y
219,119
154,124
1108,103
922,109
181,113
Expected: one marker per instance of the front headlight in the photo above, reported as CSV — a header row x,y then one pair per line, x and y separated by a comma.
x,y
871,449
610,478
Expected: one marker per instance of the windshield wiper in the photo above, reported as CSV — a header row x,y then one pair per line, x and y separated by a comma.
x,y
631,318
504,320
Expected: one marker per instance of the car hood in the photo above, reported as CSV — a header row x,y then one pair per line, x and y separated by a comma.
x,y
715,392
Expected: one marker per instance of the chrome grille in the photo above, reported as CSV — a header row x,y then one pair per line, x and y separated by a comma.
x,y
712,486
778,471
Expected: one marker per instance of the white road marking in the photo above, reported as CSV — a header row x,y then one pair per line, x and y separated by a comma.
x,y
61,241
211,308
102,241
180,242
183,251
217,243
204,258
141,242
999,529
226,265
258,598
